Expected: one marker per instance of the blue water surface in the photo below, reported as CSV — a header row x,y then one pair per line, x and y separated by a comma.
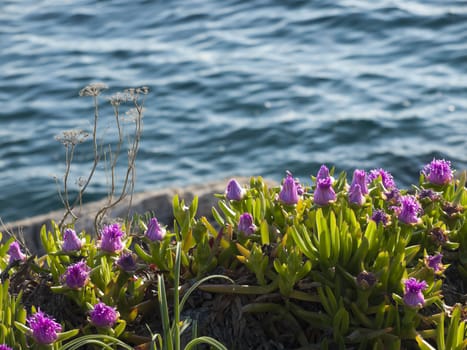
x,y
237,88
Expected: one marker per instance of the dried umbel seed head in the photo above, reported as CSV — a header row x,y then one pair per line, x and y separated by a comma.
x,y
118,98
72,137
93,89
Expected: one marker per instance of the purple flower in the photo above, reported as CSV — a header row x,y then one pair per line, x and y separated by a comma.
x,y
438,235
428,194
366,279
14,251
289,192
246,225
438,172
435,262
323,173
234,191
71,241
127,262
409,210
379,216
44,329
359,177
5,347
386,178
111,238
413,295
324,193
103,316
393,196
355,195
155,231
76,276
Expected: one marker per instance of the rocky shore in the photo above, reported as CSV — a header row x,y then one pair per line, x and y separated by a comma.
x,y
159,202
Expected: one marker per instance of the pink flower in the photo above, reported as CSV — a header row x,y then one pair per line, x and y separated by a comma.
x,y
5,347
103,316
44,329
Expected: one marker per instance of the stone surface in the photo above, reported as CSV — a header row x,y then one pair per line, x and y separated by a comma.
x,y
159,202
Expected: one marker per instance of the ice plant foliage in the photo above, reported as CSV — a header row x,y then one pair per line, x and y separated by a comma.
x,y
111,238
77,275
155,231
438,172
44,328
289,191
71,241
246,224
14,251
103,315
413,295
369,268
234,191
